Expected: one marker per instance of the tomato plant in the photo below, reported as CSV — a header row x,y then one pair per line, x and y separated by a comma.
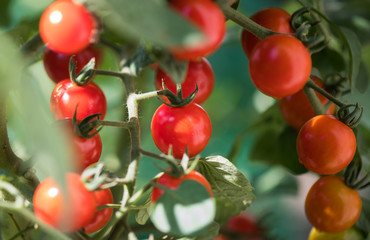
x,y
325,145
350,234
207,16
280,65
173,183
181,129
276,19
200,73
331,206
67,95
67,211
67,27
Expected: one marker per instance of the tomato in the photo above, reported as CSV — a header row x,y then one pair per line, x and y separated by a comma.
x,y
199,73
173,183
181,127
208,17
350,234
101,217
67,95
280,65
67,27
275,19
57,64
296,109
331,206
67,211
325,145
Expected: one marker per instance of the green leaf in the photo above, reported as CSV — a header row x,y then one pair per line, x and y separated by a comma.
x,y
363,222
362,81
143,214
328,61
231,189
185,211
147,20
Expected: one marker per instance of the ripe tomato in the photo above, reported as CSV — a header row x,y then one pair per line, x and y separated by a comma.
x,y
280,65
181,127
199,73
207,16
174,183
297,110
331,206
67,27
67,95
325,145
275,19
67,211
101,217
57,64
350,234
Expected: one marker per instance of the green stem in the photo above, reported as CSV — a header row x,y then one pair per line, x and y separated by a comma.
x,y
118,124
314,100
321,91
32,46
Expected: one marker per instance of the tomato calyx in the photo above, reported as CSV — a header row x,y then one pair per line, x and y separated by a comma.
x,y
350,114
87,127
176,100
353,172
85,75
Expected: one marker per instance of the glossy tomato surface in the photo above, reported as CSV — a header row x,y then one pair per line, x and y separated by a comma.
x,y
199,73
181,127
208,17
280,65
101,217
67,211
57,64
325,145
67,27
173,183
296,109
275,19
331,206
350,234
67,95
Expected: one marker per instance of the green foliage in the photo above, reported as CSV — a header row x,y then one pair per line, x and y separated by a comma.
x,y
364,221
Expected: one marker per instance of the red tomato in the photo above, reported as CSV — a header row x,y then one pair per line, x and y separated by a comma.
x,y
325,145
101,217
181,127
208,17
174,183
199,73
67,211
275,19
67,95
331,206
296,109
67,27
57,64
280,65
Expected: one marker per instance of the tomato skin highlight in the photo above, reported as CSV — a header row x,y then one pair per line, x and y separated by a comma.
x,y
60,210
275,19
199,73
173,183
181,127
280,65
325,145
67,27
331,206
67,95
208,17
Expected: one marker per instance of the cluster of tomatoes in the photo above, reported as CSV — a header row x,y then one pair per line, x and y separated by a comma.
x,y
280,66
67,29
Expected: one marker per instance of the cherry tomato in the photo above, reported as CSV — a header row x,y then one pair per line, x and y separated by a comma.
x,y
275,19
199,73
325,145
67,27
297,110
101,217
208,17
280,65
57,64
67,211
173,183
331,206
181,127
350,234
67,95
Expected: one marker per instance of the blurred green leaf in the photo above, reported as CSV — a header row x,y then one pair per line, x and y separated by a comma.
x,y
363,222
185,211
231,189
328,61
